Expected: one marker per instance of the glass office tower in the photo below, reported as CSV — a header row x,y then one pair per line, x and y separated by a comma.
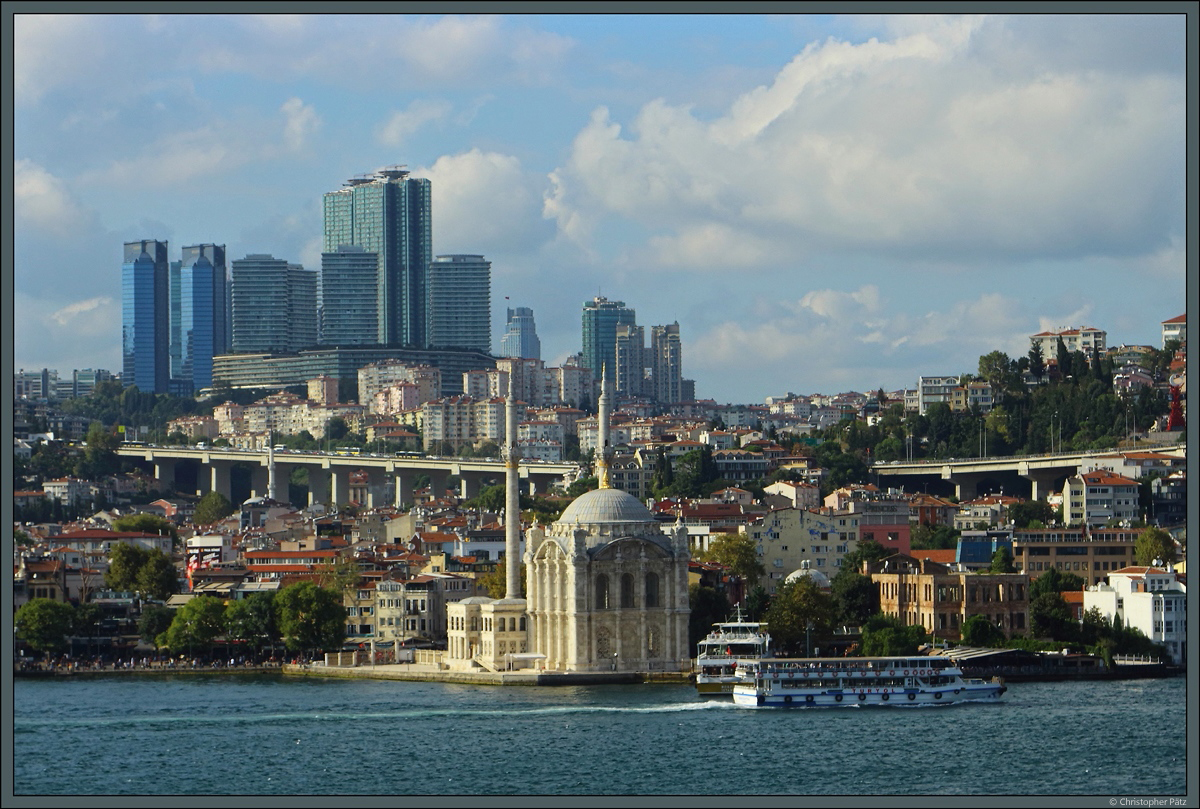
x,y
520,338
349,280
600,320
145,316
203,331
388,213
274,305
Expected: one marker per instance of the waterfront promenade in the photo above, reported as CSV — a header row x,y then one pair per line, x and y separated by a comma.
x,y
431,672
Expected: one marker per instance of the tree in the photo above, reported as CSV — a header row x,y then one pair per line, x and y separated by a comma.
x,y
886,635
1050,617
738,553
867,551
155,620
1152,544
977,630
1037,361
310,617
147,524
1002,560
252,620
44,624
157,578
707,608
125,560
757,603
800,613
213,507
196,624
856,596
496,582
100,457
1055,581
1023,515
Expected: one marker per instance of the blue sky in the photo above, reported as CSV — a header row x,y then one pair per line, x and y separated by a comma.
x,y
824,203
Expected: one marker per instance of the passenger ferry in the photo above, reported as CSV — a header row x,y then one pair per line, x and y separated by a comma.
x,y
729,643
843,681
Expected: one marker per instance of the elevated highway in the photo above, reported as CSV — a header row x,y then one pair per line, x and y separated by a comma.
x,y
1037,474
329,473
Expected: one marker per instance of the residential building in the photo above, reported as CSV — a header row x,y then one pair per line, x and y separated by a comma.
x,y
349,297
666,363
264,288
388,213
629,361
84,382
1175,329
145,316
786,538
1093,498
1151,599
378,376
1083,338
415,608
600,320
203,306
459,309
935,389
938,598
1091,555
520,337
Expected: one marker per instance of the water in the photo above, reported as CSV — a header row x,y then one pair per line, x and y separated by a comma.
x,y
267,734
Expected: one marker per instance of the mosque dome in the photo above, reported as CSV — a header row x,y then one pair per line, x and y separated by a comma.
x,y
807,572
606,506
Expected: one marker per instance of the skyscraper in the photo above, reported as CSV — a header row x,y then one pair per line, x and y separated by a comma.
x,y
629,365
666,364
389,214
600,319
274,305
203,331
459,312
349,306
520,339
145,316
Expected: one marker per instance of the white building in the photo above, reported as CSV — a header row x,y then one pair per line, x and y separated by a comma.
x,y
1151,599
1083,338
1093,498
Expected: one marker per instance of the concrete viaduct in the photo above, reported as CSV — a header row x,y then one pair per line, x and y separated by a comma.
x,y
1042,474
329,474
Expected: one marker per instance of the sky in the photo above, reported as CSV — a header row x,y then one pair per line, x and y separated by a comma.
x,y
823,203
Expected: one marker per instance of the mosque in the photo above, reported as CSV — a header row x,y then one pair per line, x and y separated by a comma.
x,y
607,585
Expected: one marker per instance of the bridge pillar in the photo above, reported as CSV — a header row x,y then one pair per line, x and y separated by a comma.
x,y
164,470
375,487
260,478
437,483
218,479
341,486
469,486
404,491
318,486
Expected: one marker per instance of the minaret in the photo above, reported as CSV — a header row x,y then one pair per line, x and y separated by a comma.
x,y
602,432
512,494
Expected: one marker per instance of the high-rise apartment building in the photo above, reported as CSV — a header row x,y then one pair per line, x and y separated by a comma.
x,y
629,360
600,320
203,331
145,316
520,339
274,305
459,313
389,214
666,364
349,297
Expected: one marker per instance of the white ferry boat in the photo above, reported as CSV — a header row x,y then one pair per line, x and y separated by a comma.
x,y
729,643
843,681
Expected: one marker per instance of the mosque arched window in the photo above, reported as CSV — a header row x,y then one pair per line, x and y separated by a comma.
x,y
602,592
627,591
652,590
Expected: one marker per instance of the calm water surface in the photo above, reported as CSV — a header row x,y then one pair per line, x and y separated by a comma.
x,y
266,734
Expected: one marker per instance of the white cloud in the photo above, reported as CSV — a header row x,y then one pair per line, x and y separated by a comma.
x,y
915,146
404,123
72,312
486,203
48,50
44,202
301,121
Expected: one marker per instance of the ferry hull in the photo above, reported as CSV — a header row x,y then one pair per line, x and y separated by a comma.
x,y
751,697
